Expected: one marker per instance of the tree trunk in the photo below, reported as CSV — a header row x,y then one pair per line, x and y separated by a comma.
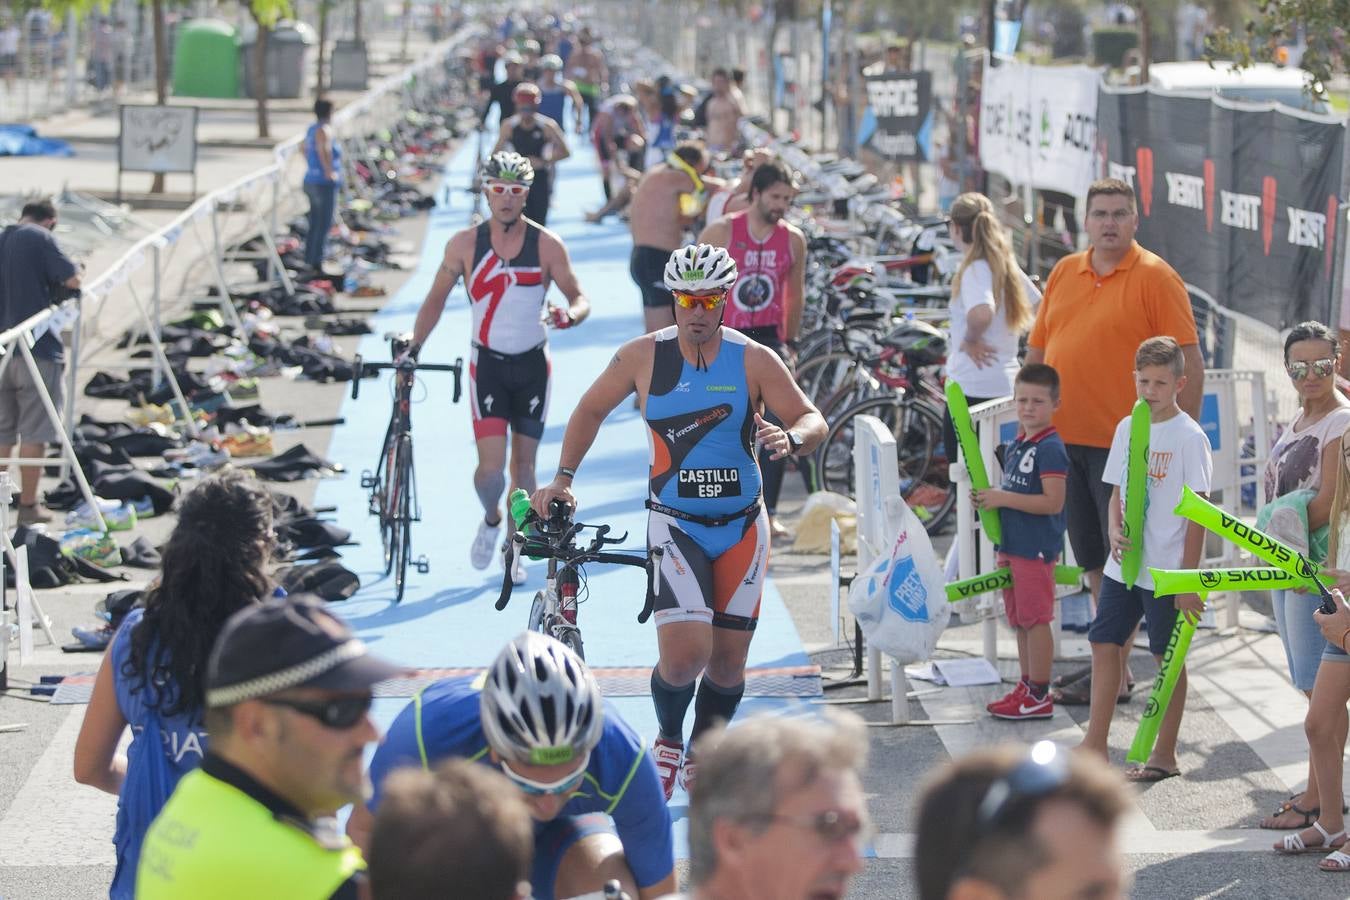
x,y
1145,43
356,23
320,83
260,77
161,75
407,26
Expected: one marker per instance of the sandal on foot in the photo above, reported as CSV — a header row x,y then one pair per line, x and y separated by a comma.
x,y
1336,861
1293,844
1289,806
1150,774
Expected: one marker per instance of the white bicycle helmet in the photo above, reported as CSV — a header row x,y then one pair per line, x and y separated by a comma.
x,y
541,705
507,166
700,269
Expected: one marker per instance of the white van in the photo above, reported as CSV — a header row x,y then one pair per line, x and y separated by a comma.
x,y
1261,82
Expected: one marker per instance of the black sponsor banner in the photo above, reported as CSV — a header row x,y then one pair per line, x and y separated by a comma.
x,y
715,482
898,122
1242,203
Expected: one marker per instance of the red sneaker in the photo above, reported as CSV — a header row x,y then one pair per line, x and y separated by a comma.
x,y
688,773
1010,697
1024,706
669,757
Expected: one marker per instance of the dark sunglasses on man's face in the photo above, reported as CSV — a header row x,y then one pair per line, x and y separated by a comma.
x,y
340,713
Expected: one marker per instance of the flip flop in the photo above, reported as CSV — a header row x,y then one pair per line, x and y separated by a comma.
x,y
1150,774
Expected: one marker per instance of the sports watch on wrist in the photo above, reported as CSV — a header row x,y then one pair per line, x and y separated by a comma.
x,y
795,441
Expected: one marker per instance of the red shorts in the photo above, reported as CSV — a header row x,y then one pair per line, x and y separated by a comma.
x,y
1031,599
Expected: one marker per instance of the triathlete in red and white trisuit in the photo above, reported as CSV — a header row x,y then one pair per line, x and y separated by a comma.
x,y
507,263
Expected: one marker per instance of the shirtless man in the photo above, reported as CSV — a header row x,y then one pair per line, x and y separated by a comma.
x,y
735,197
668,200
588,71
507,264
724,114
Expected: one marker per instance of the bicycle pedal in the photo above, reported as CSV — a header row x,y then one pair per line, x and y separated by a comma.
x,y
423,565
368,481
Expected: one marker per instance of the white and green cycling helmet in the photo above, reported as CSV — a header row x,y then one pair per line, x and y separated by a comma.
x,y
700,269
507,166
540,704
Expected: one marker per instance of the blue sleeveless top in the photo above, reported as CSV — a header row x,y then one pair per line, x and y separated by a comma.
x,y
701,429
551,102
314,166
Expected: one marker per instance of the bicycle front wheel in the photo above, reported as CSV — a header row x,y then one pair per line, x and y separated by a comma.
x,y
401,538
918,442
571,638
391,486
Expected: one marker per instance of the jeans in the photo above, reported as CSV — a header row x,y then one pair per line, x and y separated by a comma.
x,y
1302,639
322,206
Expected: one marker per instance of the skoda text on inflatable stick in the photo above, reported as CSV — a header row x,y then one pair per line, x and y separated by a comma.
x,y
970,450
1167,582
1136,491
999,579
1174,657
1231,528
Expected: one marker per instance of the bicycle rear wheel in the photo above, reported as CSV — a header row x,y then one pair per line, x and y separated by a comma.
x,y
401,538
918,442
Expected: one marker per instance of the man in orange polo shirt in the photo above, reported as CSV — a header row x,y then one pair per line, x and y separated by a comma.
x,y
1099,306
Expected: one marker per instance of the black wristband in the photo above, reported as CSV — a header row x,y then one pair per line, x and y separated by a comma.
x,y
570,473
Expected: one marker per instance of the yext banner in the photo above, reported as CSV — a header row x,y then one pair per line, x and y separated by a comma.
x,y
898,121
1241,201
1038,125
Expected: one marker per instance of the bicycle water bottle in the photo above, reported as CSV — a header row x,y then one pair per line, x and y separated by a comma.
x,y
520,511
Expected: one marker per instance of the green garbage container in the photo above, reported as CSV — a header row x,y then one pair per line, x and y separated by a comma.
x,y
206,60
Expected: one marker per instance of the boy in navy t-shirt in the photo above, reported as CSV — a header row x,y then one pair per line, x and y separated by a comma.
x,y
1031,504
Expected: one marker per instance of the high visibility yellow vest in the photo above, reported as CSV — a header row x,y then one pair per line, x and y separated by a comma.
x,y
214,842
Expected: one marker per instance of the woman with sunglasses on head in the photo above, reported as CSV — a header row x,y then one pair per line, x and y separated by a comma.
x,y
508,264
584,773
1305,459
152,677
702,389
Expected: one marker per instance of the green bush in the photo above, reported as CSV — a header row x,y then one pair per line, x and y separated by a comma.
x,y
1109,45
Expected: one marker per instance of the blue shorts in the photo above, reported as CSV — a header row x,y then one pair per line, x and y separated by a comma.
x,y
1119,610
553,839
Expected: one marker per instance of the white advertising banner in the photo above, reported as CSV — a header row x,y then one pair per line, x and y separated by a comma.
x,y
1038,125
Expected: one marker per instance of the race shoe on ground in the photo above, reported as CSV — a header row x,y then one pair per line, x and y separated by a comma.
x,y
1023,705
92,547
484,545
118,515
669,758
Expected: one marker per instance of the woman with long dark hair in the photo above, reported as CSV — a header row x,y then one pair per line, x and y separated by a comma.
x,y
152,677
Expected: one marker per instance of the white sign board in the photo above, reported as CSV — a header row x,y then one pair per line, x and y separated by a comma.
x,y
158,139
1038,125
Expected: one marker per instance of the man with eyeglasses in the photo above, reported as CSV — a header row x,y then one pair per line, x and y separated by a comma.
x,y
288,696
539,719
1098,307
702,389
1017,822
779,811
508,264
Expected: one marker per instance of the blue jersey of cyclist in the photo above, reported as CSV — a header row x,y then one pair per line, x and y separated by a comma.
x,y
618,793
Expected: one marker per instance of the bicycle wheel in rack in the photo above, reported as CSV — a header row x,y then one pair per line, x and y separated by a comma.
x,y
918,442
402,536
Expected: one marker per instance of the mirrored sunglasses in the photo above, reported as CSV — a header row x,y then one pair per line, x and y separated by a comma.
x,y
565,785
707,301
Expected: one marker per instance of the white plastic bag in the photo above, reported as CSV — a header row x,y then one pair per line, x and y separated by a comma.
x,y
900,600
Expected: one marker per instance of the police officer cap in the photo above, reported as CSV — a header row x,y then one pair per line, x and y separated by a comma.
x,y
288,643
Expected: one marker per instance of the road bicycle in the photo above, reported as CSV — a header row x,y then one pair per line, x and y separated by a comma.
x,y
393,484
554,610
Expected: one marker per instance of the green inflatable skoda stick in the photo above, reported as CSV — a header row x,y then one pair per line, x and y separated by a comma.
x,y
1163,686
999,579
1167,582
970,451
1233,529
1136,492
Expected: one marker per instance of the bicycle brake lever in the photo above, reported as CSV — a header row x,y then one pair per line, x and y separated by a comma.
x,y
653,585
459,369
518,539
357,372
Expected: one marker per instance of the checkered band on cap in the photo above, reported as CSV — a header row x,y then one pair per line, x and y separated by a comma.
x,y
294,676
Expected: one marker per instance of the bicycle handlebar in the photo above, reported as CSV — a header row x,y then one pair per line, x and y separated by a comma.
x,y
360,368
560,547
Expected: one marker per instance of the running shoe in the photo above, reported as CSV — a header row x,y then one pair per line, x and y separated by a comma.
x,y
95,637
688,773
669,757
1010,697
1016,707
118,515
484,545
92,547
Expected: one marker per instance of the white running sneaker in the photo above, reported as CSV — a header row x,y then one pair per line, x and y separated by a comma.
x,y
484,545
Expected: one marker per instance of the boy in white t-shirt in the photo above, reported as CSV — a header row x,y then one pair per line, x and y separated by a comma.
x,y
1178,455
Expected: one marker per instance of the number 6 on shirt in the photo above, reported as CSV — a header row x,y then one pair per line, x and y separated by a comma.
x,y
970,451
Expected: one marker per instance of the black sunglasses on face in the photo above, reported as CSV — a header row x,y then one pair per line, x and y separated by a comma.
x,y
341,713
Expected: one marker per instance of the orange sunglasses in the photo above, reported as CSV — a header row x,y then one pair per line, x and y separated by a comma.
x,y
707,301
